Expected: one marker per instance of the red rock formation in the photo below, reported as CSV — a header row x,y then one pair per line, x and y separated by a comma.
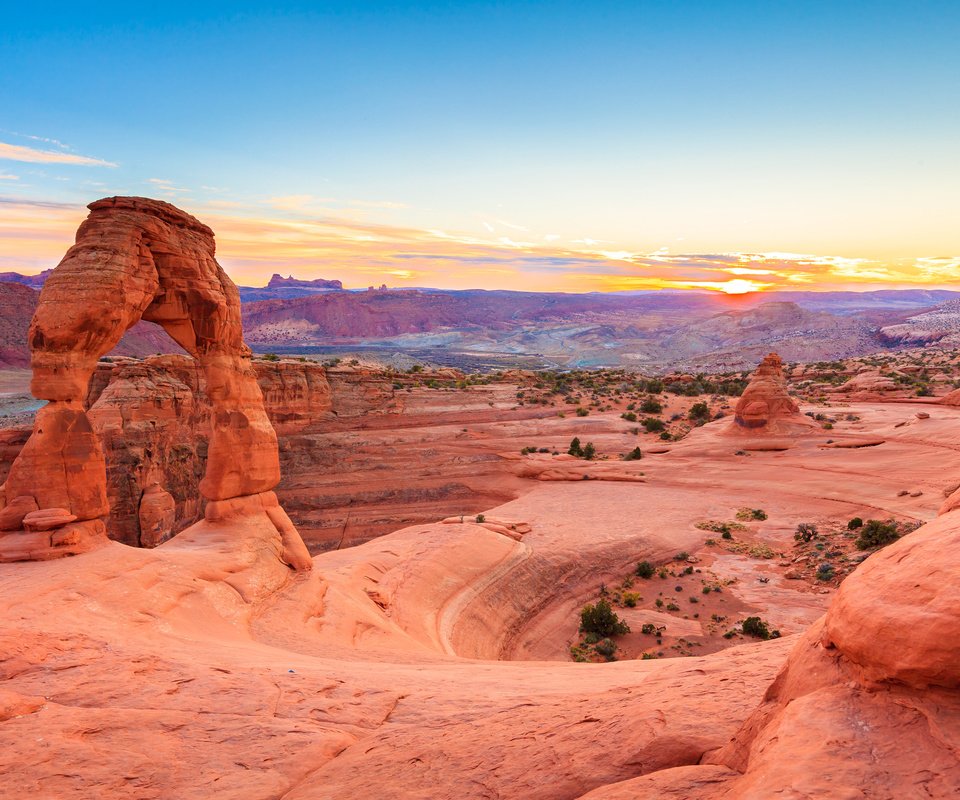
x,y
138,259
278,281
951,399
766,402
877,678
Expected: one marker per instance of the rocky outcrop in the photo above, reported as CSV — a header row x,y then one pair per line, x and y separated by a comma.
x,y
877,677
765,404
951,399
137,259
279,282
867,384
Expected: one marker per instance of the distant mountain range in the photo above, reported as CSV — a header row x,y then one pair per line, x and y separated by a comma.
x,y
649,330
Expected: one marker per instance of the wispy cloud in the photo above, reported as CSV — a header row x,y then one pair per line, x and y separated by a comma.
x,y
298,234
19,152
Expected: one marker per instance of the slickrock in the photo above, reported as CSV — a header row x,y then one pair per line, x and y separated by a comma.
x,y
951,399
138,259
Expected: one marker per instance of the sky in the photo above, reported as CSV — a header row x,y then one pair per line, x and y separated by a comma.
x,y
546,146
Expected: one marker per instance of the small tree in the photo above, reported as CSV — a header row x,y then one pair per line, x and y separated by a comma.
x,y
645,570
602,620
633,455
877,534
756,627
589,451
575,448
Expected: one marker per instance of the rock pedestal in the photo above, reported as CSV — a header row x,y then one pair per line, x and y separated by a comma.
x,y
765,400
134,259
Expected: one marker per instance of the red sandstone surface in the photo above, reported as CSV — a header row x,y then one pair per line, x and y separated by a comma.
x,y
434,661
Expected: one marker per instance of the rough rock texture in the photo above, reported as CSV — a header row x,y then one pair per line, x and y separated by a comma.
x,y
138,259
765,402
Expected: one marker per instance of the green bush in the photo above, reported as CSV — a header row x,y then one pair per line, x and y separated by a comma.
x,y
602,620
877,534
270,357
651,406
855,523
629,416
756,627
589,451
582,412
633,455
653,425
575,448
699,411
644,570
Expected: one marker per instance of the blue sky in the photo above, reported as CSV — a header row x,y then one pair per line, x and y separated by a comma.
x,y
809,135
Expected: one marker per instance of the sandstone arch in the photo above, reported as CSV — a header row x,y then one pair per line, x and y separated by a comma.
x,y
136,258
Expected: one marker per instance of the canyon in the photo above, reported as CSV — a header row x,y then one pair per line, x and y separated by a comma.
x,y
432,645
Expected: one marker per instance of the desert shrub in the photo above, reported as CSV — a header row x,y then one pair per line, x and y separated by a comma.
x,y
699,411
575,448
481,518
651,406
582,412
648,628
270,357
630,599
806,531
756,627
629,416
825,572
683,555
633,455
602,620
653,425
757,514
854,524
877,534
589,451
606,648
644,570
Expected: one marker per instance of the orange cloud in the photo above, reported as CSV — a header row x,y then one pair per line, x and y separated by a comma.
x,y
254,241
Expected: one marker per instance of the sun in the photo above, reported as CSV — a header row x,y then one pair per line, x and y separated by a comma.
x,y
739,286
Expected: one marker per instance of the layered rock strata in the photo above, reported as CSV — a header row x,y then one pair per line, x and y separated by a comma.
x,y
766,402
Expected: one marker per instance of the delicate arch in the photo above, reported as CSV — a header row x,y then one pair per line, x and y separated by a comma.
x,y
134,259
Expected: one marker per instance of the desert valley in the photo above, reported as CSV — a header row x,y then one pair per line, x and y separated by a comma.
x,y
558,583
476,400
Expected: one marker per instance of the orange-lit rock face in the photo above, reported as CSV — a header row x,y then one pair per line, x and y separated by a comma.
x,y
765,399
135,259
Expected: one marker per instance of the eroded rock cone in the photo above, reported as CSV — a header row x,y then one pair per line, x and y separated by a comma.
x,y
766,400
134,259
